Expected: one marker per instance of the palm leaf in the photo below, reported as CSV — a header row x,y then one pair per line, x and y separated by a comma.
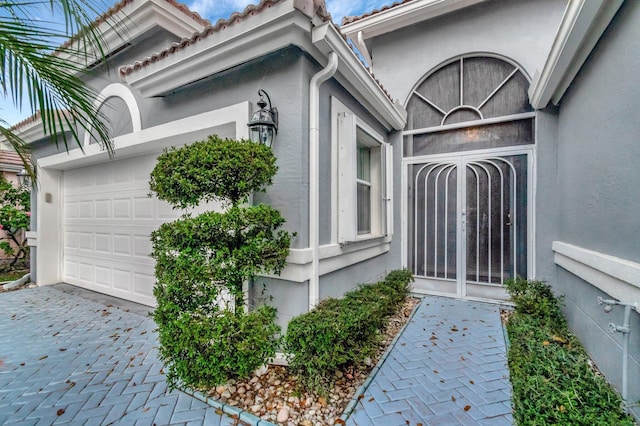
x,y
36,68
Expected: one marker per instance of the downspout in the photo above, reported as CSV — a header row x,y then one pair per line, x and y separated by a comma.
x,y
625,329
362,47
314,174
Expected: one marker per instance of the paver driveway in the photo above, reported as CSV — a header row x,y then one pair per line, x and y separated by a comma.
x,y
65,359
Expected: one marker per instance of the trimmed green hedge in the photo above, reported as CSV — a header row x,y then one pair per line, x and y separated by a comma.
x,y
343,332
553,382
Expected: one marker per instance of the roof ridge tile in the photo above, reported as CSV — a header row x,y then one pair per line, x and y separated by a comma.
x,y
351,19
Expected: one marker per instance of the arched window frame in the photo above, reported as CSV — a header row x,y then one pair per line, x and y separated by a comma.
x,y
118,90
482,120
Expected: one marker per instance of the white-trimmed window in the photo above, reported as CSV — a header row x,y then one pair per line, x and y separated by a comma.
x,y
364,178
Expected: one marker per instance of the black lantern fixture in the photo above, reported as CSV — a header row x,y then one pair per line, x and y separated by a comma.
x,y
263,126
23,178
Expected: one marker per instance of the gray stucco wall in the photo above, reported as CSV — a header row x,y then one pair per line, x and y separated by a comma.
x,y
285,75
521,30
598,181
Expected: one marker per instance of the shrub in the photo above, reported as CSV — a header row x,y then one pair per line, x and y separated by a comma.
x,y
343,332
215,169
203,260
553,382
533,297
15,205
204,348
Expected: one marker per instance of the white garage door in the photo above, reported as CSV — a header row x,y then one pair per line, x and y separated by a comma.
x,y
108,217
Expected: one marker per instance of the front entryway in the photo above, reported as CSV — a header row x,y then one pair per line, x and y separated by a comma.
x,y
467,222
468,153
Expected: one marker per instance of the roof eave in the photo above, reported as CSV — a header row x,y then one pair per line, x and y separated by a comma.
x,y
353,75
133,20
401,16
270,30
582,25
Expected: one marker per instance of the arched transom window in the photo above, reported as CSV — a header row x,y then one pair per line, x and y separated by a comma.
x,y
472,102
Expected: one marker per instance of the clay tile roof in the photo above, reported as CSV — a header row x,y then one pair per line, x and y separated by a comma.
x,y
32,119
10,157
350,19
121,5
220,25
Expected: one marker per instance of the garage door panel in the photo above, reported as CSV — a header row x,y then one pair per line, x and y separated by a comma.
x,y
102,243
122,244
103,209
85,241
85,210
122,208
143,208
143,284
103,276
122,280
108,219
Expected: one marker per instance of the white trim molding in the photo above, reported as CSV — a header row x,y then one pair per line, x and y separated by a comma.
x,y
582,25
132,21
619,278
118,90
226,122
355,77
332,258
274,28
401,16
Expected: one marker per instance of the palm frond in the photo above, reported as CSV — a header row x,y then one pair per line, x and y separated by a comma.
x,y
36,68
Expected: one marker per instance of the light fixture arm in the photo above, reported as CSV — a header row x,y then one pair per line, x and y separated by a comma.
x,y
272,110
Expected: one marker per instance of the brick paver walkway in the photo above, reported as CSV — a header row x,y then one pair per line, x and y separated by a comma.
x,y
449,367
67,360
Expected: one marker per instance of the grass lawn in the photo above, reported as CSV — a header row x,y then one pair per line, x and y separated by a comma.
x,y
12,275
553,381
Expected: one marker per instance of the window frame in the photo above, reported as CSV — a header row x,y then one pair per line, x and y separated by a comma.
x,y
349,131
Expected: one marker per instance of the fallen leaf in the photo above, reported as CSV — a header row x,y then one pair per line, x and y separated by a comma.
x,y
453,398
219,412
60,412
433,338
146,409
62,349
435,371
371,399
545,343
559,339
467,407
43,357
454,328
339,422
472,382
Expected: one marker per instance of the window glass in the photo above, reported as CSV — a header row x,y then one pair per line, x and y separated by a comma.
x,y
364,189
470,138
364,162
468,104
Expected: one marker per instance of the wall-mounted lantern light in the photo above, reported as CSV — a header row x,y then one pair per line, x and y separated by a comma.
x,y
263,126
23,178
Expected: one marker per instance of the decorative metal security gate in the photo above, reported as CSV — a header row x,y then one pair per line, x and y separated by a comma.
x,y
468,153
468,223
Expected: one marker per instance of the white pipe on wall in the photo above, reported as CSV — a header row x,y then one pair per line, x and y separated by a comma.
x,y
314,174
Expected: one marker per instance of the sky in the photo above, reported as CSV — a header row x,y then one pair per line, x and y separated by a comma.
x,y
214,10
